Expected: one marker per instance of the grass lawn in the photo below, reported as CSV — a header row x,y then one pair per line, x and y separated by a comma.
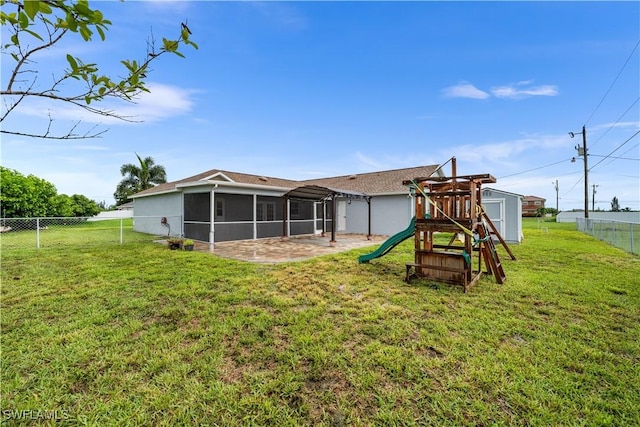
x,y
136,334
83,233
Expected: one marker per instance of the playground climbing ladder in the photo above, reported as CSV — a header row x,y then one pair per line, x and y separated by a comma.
x,y
489,253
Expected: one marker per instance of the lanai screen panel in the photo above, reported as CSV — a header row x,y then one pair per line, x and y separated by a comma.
x,y
269,214
236,207
197,216
319,208
301,217
234,217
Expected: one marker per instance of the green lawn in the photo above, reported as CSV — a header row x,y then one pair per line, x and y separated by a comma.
x,y
77,233
136,334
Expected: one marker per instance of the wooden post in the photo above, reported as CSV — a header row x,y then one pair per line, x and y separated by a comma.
x,y
324,218
284,218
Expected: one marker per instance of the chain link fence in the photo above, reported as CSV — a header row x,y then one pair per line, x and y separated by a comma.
x,y
623,235
21,233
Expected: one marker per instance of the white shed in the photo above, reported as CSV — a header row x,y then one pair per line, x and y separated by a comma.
x,y
505,211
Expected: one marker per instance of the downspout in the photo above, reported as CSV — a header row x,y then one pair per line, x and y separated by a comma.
x,y
368,198
332,242
255,216
212,229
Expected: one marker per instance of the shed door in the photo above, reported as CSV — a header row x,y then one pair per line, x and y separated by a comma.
x,y
496,212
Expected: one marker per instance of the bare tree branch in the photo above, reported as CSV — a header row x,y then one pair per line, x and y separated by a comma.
x,y
49,21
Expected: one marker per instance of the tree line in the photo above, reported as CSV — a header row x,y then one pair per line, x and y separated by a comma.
x,y
30,196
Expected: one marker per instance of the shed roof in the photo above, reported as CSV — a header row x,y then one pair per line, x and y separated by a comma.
x,y
502,191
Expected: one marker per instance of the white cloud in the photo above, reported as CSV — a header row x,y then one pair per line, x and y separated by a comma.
x,y
519,90
464,90
522,90
162,102
633,125
507,155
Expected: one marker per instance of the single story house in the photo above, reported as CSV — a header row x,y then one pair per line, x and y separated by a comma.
x,y
218,205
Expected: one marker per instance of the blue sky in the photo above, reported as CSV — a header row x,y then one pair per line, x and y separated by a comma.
x,y
302,90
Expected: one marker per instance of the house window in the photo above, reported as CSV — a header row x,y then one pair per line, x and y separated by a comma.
x,y
537,203
266,211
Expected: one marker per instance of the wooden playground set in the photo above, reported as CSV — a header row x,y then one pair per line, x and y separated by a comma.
x,y
451,205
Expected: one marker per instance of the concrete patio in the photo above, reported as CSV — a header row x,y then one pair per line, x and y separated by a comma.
x,y
275,250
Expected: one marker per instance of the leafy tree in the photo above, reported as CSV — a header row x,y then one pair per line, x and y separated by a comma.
x,y
544,211
61,206
138,178
83,206
35,26
103,206
25,196
30,197
615,205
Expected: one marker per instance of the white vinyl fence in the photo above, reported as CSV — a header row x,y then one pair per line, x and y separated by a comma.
x,y
624,235
17,233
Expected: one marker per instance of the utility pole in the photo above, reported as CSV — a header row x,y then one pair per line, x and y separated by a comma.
x,y
593,201
582,151
556,187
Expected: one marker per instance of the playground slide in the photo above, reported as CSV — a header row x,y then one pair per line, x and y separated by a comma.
x,y
390,243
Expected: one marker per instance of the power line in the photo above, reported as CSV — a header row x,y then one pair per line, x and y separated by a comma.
x,y
616,122
614,82
534,169
574,185
632,147
616,158
619,147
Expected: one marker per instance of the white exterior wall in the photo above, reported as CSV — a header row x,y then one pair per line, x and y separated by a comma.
x,y
147,212
389,214
609,216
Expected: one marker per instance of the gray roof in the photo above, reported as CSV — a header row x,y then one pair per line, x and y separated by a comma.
x,y
501,191
372,183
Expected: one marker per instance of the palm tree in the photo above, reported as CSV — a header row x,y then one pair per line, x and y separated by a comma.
x,y
138,178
